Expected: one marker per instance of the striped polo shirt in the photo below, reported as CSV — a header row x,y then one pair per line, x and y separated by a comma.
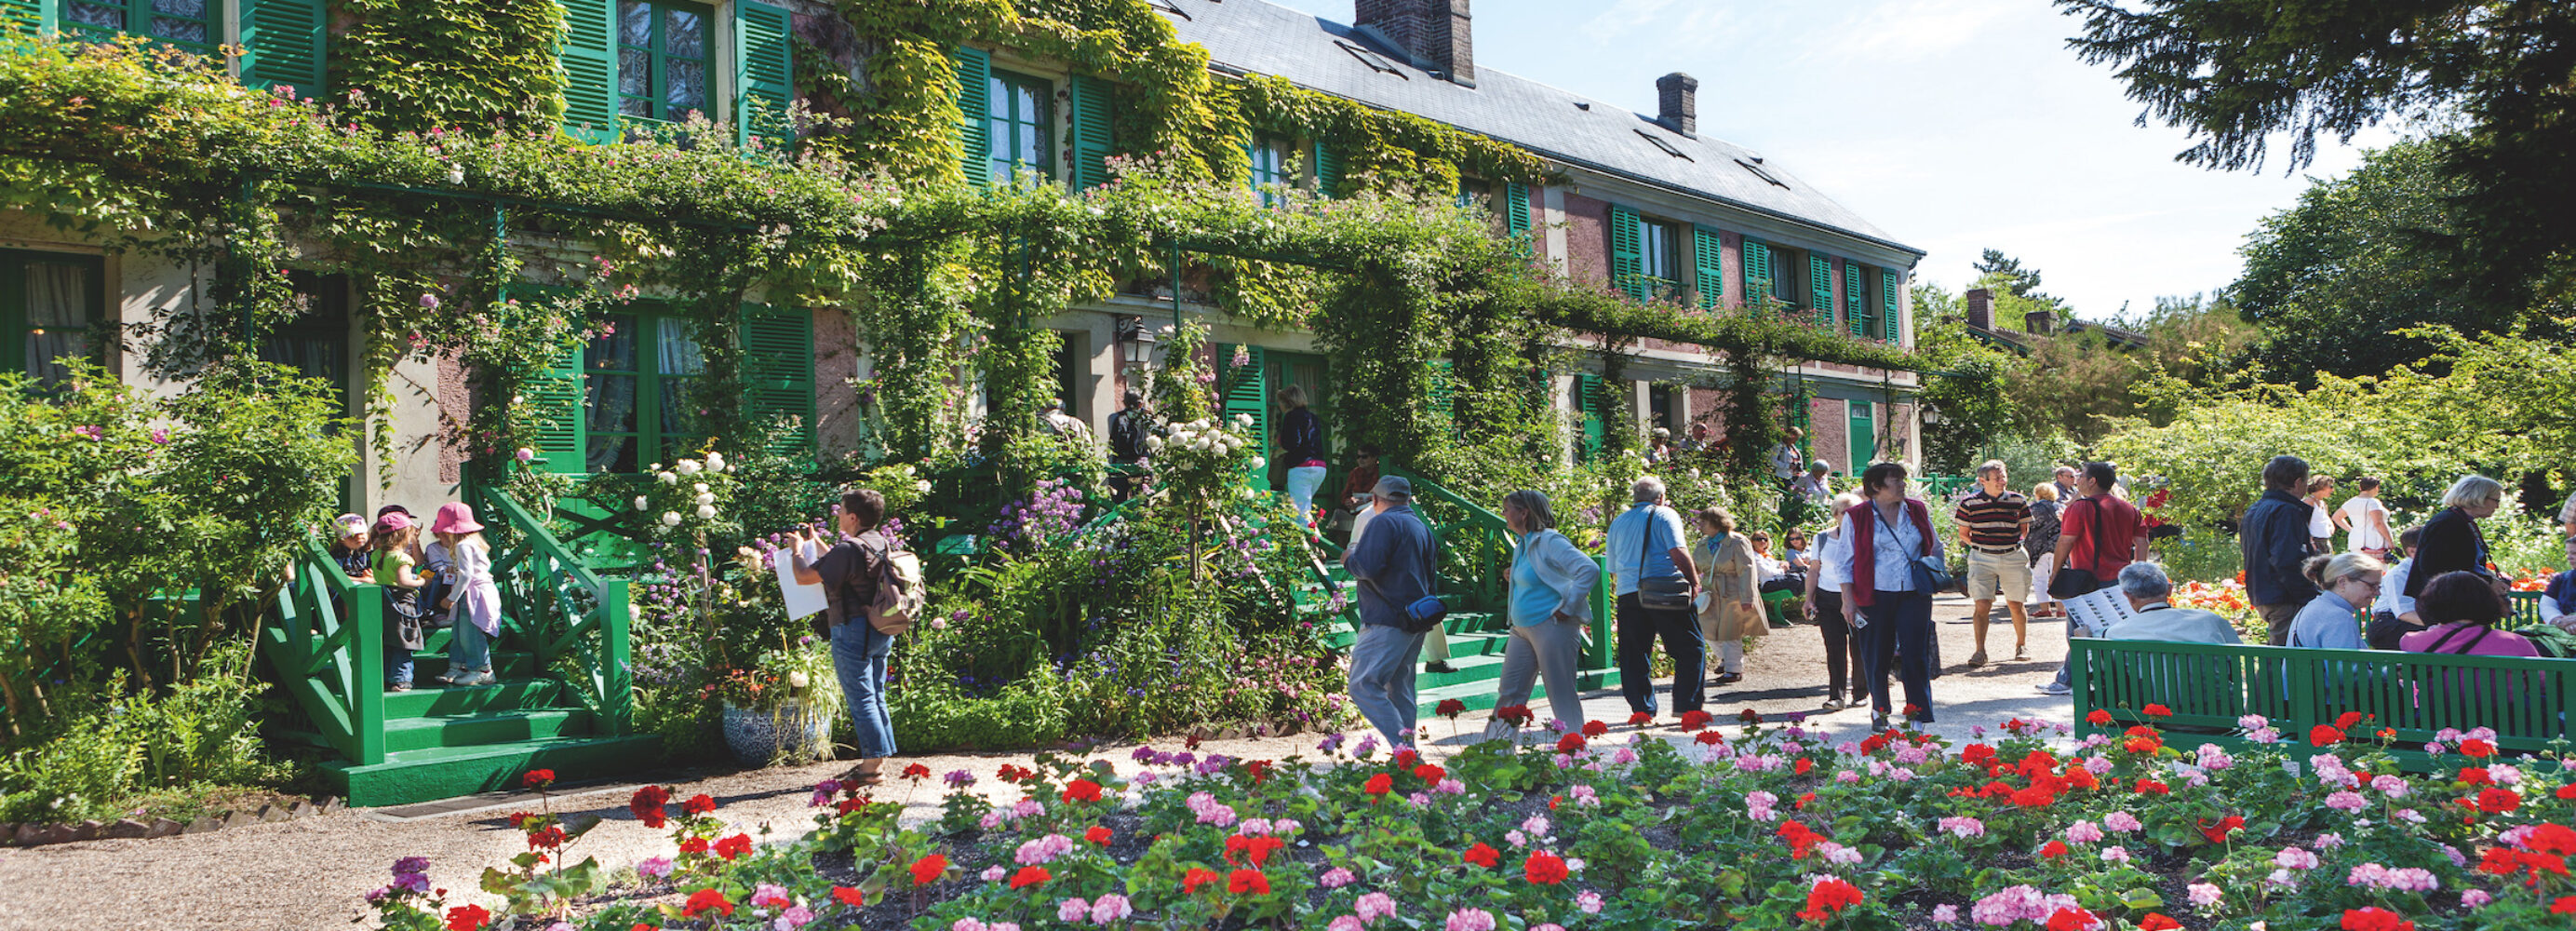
x,y
1994,523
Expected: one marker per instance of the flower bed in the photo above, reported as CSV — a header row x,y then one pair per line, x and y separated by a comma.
x,y
1752,827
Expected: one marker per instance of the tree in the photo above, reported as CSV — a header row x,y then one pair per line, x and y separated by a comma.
x,y
2003,272
2234,72
2360,256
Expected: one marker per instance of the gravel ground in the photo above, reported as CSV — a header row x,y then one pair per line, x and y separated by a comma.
x,y
311,872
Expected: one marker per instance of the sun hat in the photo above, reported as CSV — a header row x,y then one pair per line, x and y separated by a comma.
x,y
391,521
349,525
393,509
455,517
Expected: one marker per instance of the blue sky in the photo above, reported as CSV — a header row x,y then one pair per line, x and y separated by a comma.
x,y
1955,125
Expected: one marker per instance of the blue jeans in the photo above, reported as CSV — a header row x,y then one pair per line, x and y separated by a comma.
x,y
1899,623
859,661
469,649
397,664
1381,679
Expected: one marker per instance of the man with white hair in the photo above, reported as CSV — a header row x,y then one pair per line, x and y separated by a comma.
x,y
2065,478
2148,590
1649,547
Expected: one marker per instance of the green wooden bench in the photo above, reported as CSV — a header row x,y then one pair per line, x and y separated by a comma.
x,y
2529,702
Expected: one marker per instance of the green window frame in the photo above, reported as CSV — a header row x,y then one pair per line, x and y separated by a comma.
x,y
1659,253
1271,165
195,25
51,304
1022,125
635,390
665,59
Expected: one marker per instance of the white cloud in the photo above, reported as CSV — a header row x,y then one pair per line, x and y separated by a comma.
x,y
1621,17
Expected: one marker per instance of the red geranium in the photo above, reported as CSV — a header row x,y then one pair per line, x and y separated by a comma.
x,y
2563,905
1827,897
1712,738
2473,747
2098,717
1196,877
1097,834
707,900
2324,735
1081,790
1636,718
1543,868
2072,919
1247,882
1253,850
467,918
1595,728
1405,758
2375,919
2151,787
1450,708
1030,876
693,845
854,898
1515,715
1482,855
734,846
916,772
2551,838
539,778
2217,833
1750,716
2158,921
2034,797
646,804
2496,800
1803,765
1800,837
928,869
1429,774
2476,776
2567,791
1569,743
547,838
1379,784
2349,719
1259,770
1695,719
698,804
2156,711
2053,849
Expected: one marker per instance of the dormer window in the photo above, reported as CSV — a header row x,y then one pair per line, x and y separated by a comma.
x,y
1666,145
1373,60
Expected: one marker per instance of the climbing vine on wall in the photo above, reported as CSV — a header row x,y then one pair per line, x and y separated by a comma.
x,y
419,65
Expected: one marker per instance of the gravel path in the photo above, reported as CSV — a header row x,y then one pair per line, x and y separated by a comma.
x,y
311,872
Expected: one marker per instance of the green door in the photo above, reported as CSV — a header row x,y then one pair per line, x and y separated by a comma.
x,y
1864,440
1305,370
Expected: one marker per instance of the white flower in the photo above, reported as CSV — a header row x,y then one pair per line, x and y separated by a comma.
x,y
670,518
706,498
716,461
686,467
922,486
1259,463
666,478
700,488
799,679
1153,443
641,504
706,512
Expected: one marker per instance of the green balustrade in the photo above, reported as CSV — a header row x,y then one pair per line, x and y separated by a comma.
x,y
325,636
572,619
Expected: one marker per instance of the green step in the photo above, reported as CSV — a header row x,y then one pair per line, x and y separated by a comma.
x,y
429,699
507,664
447,772
1479,696
477,730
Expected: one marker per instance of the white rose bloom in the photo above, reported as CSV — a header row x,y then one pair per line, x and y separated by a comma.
x,y
1153,443
706,498
686,467
716,461
798,679
666,478
641,504
922,486
706,512
1260,463
700,488
670,518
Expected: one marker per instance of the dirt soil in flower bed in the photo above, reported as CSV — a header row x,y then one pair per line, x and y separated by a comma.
x,y
312,872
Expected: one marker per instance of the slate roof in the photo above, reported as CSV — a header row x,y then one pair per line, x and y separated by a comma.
x,y
1315,53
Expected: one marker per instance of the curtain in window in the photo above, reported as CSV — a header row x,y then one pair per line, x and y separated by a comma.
x,y
676,352
58,304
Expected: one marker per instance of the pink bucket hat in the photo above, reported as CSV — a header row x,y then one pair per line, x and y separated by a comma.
x,y
454,517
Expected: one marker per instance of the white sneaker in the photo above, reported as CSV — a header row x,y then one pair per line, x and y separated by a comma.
x,y
2055,689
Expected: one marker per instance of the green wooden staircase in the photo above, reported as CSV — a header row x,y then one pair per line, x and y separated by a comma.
x,y
564,700
1476,550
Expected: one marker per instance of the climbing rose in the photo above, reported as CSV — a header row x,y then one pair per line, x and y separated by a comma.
x,y
1543,868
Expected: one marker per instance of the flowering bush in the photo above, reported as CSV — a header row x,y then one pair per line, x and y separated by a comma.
x,y
1761,827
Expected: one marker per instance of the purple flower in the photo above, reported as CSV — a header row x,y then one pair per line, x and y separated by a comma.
x,y
429,301
655,868
959,779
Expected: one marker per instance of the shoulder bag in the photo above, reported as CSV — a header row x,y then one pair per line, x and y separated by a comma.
x,y
1933,572
2075,581
1671,593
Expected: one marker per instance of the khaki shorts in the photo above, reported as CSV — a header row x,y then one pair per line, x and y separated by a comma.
x,y
1990,574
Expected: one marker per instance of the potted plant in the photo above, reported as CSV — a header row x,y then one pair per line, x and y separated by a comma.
x,y
780,711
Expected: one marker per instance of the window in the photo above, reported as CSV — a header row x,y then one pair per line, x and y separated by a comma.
x,y
1271,165
1789,276
1023,116
188,24
48,304
315,343
636,404
1373,60
1755,166
1661,252
663,58
1665,146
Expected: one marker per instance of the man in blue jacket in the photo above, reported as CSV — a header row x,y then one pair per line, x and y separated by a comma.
x,y
2275,537
1393,563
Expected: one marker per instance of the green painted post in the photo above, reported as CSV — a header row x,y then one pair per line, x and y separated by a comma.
x,y
616,687
2079,676
366,622
1598,656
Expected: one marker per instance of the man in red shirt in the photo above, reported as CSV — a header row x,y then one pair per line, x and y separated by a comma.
x,y
2100,532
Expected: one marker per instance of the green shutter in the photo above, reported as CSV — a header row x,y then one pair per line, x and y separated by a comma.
x,y
1856,297
1444,393
1887,301
778,365
1328,170
1516,209
975,111
1627,252
764,71
282,44
33,17
1757,274
1247,392
588,56
1591,395
1820,288
1708,266
1091,108
559,401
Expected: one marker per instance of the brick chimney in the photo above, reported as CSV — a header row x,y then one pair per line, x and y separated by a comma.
x,y
2038,322
1434,32
1676,103
1981,308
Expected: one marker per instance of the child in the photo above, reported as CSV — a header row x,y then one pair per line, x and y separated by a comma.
x,y
393,564
351,550
473,599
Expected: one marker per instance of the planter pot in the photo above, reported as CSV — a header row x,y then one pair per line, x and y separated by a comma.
x,y
793,732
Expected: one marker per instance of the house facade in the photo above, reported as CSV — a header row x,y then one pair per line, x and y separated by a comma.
x,y
1645,203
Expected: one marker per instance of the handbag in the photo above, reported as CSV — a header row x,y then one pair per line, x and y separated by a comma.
x,y
1932,573
1424,614
2070,581
1659,594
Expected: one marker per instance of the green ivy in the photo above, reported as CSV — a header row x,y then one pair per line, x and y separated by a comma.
x,y
418,65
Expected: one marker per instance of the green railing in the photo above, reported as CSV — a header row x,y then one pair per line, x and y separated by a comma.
x,y
2529,702
1936,487
572,619
1476,545
325,636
